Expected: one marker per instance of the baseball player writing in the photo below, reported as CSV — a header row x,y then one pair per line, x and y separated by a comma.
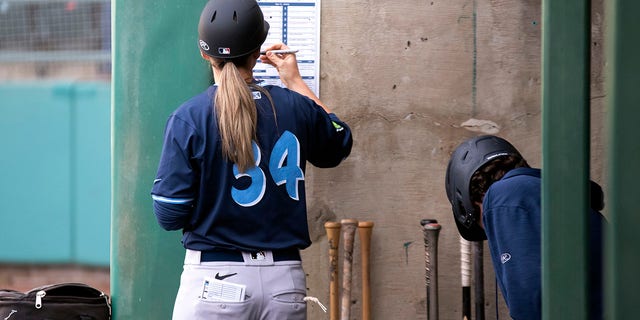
x,y
495,196
231,174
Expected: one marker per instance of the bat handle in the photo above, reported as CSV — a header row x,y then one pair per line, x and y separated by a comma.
x,y
333,238
465,277
478,274
365,228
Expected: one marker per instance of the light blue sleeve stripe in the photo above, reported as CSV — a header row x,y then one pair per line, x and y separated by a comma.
x,y
171,200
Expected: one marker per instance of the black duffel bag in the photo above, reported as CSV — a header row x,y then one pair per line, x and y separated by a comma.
x,y
62,301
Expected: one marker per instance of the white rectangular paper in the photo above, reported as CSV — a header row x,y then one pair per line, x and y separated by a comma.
x,y
218,290
295,23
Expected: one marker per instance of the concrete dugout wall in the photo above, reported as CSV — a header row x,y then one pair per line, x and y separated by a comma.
x,y
412,78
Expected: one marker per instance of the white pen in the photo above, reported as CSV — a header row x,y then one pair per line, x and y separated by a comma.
x,y
280,51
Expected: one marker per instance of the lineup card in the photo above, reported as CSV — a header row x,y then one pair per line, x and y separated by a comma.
x,y
295,23
218,290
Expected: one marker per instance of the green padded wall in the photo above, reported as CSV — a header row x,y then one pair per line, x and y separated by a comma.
x,y
565,158
156,66
623,100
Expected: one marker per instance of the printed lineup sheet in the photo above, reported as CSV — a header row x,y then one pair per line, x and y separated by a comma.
x,y
295,23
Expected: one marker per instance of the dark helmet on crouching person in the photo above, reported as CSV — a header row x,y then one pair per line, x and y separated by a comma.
x,y
466,160
231,28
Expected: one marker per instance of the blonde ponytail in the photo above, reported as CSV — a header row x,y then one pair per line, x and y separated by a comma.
x,y
237,116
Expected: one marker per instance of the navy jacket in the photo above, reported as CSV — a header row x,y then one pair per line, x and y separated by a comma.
x,y
511,217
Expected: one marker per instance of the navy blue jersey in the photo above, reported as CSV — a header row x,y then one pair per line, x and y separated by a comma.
x,y
264,208
512,222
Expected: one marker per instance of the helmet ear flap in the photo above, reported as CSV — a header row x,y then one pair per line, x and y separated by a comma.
x,y
472,233
466,221
467,217
461,214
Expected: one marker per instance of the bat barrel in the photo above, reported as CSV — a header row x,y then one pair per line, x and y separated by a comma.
x,y
431,230
333,237
365,229
348,233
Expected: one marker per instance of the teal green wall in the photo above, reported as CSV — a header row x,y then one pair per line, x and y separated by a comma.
x,y
157,66
55,173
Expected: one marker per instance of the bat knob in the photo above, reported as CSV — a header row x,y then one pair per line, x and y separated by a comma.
x,y
365,224
332,225
425,222
349,222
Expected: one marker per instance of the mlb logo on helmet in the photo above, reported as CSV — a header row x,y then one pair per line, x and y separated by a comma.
x,y
224,50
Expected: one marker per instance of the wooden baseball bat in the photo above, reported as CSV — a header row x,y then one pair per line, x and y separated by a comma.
x,y
431,230
348,234
465,277
365,228
478,275
333,238
427,259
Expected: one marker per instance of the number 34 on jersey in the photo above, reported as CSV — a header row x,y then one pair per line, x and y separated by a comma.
x,y
284,167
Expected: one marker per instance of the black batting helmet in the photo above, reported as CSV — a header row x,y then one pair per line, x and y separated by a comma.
x,y
466,159
231,28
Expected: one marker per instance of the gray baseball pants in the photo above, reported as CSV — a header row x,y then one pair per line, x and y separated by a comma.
x,y
214,290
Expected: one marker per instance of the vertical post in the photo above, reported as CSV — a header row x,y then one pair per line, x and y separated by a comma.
x,y
623,77
156,66
565,157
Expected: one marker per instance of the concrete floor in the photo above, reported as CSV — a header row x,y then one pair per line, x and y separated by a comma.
x,y
24,277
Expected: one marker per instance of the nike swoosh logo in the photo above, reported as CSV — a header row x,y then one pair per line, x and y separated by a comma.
x,y
219,277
